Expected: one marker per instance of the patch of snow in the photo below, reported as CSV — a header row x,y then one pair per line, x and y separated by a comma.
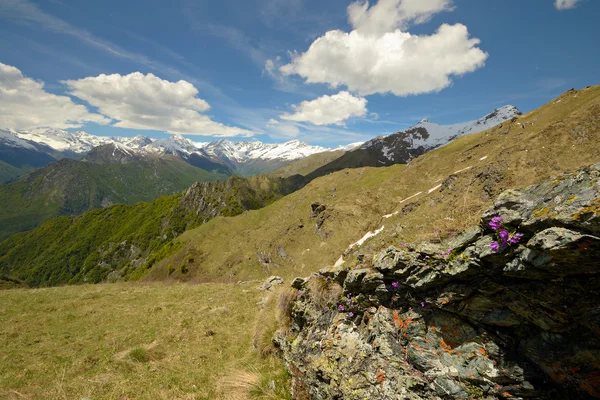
x,y
483,158
367,236
462,170
434,189
408,198
390,215
339,262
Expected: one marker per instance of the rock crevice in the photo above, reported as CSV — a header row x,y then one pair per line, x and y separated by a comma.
x,y
468,320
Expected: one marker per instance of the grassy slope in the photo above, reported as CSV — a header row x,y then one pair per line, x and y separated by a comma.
x,y
71,187
126,238
126,341
306,165
562,135
9,172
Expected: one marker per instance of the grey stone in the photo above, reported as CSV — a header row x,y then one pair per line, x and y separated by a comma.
x,y
270,283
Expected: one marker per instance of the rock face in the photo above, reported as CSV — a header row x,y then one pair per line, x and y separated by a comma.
x,y
422,322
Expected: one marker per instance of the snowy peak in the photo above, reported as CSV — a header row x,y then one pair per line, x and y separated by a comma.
x,y
241,152
403,146
175,144
63,141
11,139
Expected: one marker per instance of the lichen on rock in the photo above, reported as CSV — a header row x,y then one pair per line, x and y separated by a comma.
x,y
470,323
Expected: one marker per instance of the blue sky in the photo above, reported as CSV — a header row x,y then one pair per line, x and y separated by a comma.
x,y
328,73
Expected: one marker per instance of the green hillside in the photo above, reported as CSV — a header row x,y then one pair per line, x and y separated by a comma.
x,y
9,172
123,241
70,187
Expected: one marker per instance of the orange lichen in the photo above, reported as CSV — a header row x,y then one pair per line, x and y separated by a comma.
x,y
380,376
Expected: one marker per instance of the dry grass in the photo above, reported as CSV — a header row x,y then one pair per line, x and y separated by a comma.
x,y
274,317
324,293
124,341
558,137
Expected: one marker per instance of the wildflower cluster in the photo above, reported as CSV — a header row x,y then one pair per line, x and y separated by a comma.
x,y
350,301
447,253
505,238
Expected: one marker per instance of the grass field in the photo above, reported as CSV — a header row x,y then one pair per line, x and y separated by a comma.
x,y
132,341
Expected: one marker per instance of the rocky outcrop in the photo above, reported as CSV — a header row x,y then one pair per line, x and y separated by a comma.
x,y
491,315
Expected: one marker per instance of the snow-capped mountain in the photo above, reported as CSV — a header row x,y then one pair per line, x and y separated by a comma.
x,y
245,151
10,138
405,145
69,143
250,158
244,157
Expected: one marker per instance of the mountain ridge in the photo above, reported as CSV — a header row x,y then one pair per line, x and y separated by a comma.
x,y
403,146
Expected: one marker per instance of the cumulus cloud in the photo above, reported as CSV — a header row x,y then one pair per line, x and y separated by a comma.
x,y
388,15
139,101
566,4
380,56
24,104
327,110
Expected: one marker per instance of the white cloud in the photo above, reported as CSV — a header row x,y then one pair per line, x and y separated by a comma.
x,y
327,110
24,104
566,4
377,56
388,15
141,101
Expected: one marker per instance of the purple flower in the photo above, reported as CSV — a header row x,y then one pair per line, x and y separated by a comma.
x,y
341,307
300,292
327,279
515,238
495,247
422,304
451,233
351,314
395,284
504,236
496,222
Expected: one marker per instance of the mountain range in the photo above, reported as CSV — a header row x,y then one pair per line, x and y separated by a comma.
x,y
77,171
405,145
22,151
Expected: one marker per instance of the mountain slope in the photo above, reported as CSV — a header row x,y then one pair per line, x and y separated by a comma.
x,y
436,194
403,146
125,240
107,176
308,164
17,156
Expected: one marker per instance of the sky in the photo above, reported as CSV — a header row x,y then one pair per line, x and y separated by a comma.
x,y
325,72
